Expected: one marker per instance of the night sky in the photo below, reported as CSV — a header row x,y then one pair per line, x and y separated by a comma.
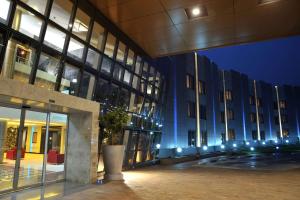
x,y
274,61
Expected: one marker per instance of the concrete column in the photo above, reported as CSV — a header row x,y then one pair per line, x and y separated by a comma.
x,y
81,160
2,139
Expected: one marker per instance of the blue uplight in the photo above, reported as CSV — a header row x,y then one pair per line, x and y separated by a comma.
x,y
222,146
179,149
205,148
252,148
234,145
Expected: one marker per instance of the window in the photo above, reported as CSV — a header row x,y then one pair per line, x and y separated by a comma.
x,y
110,45
127,77
231,134
121,52
259,102
204,137
75,49
282,104
254,135
106,65
92,59
284,119
61,12
191,109
135,82
228,95
48,68
253,117
138,65
151,78
18,62
102,91
70,80
54,38
145,70
252,100
285,133
142,86
149,89
191,138
230,114
87,86
262,135
118,72
38,5
203,112
138,103
97,36
130,58
27,23
157,81
261,118
4,10
156,93
223,117
189,81
81,24
202,87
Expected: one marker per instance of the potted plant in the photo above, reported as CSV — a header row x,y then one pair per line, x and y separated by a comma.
x,y
113,121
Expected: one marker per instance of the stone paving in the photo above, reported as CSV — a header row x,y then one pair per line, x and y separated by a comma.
x,y
196,180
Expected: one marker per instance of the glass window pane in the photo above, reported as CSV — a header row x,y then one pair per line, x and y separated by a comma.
x,y
118,71
97,36
127,77
47,71
121,52
157,82
151,78
149,89
75,49
106,65
55,38
70,80
38,5
135,82
61,12
87,85
4,9
130,57
110,45
27,23
142,86
102,90
145,70
138,65
18,61
138,103
92,59
81,24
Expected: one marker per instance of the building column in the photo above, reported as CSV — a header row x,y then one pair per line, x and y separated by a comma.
x,y
279,113
257,112
198,130
225,107
3,127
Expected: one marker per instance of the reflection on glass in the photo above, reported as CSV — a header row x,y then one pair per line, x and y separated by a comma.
x,y
138,65
92,59
149,89
106,65
135,82
151,78
121,52
47,72
142,86
70,80
75,49
81,24
130,57
145,70
110,45
118,71
38,5
97,36
138,104
18,61
127,77
56,147
27,23
54,38
4,9
61,12
102,90
87,85
131,103
156,93
9,123
157,81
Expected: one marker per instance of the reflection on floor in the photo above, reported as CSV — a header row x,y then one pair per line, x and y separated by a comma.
x,y
30,171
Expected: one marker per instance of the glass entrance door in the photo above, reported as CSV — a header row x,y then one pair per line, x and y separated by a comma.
x,y
32,147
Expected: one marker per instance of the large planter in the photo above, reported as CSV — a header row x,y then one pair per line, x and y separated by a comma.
x,y
113,156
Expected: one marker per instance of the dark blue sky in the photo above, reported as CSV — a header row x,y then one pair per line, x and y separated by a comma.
x,y
274,61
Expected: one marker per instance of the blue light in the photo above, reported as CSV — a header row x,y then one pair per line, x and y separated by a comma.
x,y
205,148
234,145
179,149
287,141
247,143
277,147
158,146
151,133
276,141
263,142
222,146
252,148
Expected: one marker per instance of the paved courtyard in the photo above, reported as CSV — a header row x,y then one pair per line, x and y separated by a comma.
x,y
208,179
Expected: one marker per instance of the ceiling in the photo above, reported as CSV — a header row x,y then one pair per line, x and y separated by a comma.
x,y
161,27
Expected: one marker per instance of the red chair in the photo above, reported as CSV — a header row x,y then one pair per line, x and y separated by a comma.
x,y
54,157
12,154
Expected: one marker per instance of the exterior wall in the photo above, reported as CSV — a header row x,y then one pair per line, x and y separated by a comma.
x,y
243,90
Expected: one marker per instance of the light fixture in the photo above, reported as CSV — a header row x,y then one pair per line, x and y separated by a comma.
x,y
287,141
179,149
158,146
276,141
247,143
262,2
263,142
234,145
151,132
74,80
196,11
222,146
277,147
252,148
205,148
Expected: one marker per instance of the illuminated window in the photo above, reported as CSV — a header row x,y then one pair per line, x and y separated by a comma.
x,y
130,58
61,12
54,38
145,70
81,24
75,49
106,65
135,82
97,36
87,85
189,81
231,134
118,72
228,95
127,77
4,10
38,5
252,100
70,80
191,109
121,52
282,104
230,114
92,59
202,87
110,45
138,65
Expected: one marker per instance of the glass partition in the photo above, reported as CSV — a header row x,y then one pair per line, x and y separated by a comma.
x,y
4,10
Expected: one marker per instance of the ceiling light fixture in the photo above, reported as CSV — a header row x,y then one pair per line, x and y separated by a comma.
x,y
196,12
260,2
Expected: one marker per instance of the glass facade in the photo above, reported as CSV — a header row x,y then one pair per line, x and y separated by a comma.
x,y
72,52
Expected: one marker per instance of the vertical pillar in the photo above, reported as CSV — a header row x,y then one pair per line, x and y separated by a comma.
x,y
3,128
279,113
197,102
225,107
257,112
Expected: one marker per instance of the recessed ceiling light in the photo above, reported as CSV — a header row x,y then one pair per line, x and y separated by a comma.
x,y
196,11
266,1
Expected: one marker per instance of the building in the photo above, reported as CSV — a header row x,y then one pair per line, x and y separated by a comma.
x,y
230,110
62,63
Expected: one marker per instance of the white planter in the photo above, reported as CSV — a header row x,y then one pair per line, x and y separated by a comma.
x,y
113,156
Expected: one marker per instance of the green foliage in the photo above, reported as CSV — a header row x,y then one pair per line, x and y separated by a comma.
x,y
113,122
